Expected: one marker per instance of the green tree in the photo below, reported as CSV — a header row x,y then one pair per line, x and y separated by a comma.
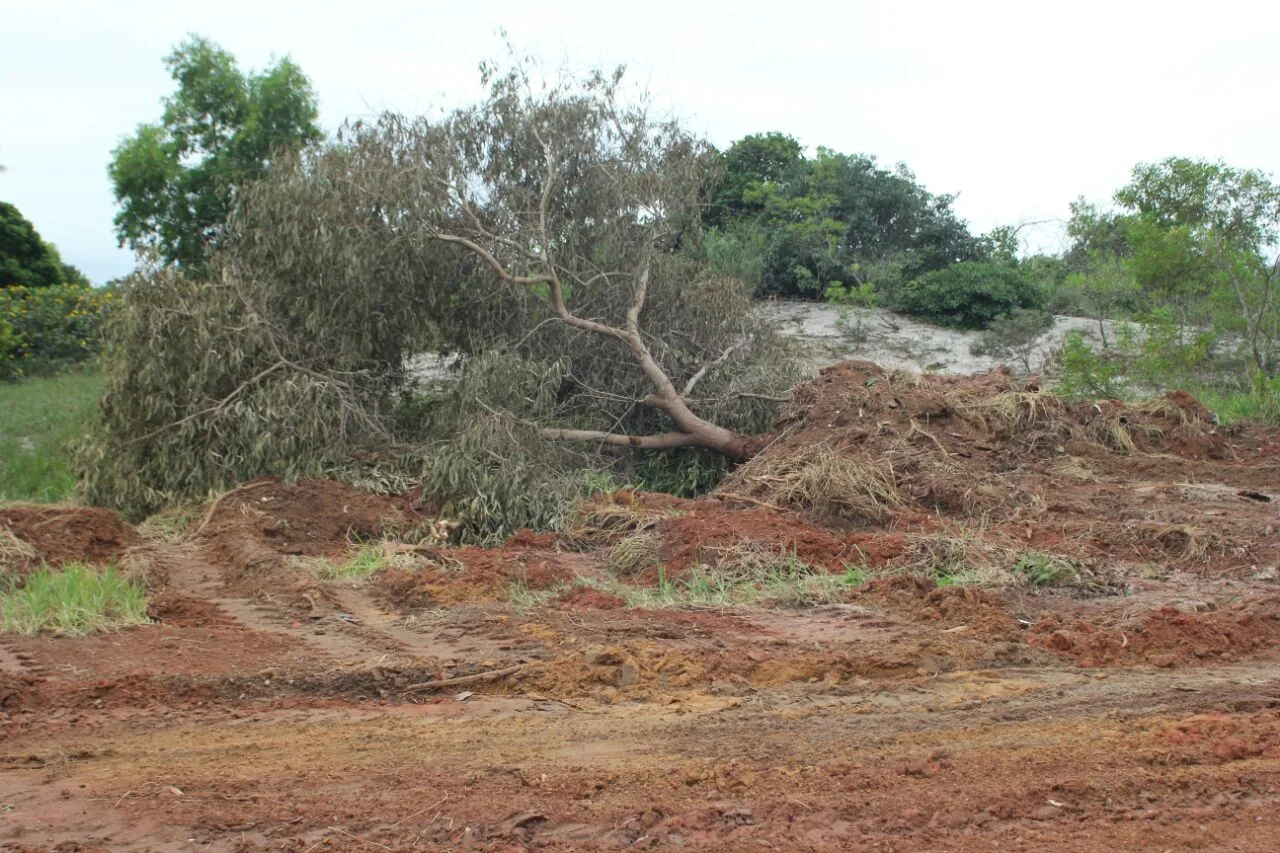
x,y
25,258
1207,233
177,181
830,216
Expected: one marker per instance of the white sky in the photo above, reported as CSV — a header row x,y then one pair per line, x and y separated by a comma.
x,y
1017,106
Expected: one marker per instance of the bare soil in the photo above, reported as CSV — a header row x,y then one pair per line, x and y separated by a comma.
x,y
1135,706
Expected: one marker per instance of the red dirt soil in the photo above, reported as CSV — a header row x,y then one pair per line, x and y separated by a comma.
x,y
440,706
62,534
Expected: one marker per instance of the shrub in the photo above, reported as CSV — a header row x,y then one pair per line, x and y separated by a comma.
x,y
42,328
1014,336
1085,373
969,295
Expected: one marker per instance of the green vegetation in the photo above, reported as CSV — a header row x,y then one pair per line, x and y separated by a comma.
x,y
1014,336
286,354
792,225
43,329
366,562
177,180
1045,570
969,295
746,575
26,259
74,599
1188,255
38,418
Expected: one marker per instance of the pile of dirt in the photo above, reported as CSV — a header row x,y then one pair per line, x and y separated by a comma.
x,y
973,612
60,534
258,524
1168,636
465,575
1019,469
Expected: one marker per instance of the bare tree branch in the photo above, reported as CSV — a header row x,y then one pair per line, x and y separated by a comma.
x,y
661,441
702,371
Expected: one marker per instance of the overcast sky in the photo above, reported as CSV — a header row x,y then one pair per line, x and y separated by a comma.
x,y
1017,107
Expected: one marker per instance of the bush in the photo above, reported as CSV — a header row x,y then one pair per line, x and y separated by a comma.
x,y
1086,374
969,295
43,328
1015,336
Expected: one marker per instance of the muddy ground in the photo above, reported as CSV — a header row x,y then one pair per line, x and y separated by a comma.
x,y
508,699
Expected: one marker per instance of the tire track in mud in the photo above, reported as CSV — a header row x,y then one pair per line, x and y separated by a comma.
x,y
15,661
345,624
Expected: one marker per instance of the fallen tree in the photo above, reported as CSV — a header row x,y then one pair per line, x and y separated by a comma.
x,y
548,236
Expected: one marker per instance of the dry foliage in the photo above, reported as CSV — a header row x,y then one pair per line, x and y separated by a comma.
x,y
550,229
635,553
16,555
609,520
825,482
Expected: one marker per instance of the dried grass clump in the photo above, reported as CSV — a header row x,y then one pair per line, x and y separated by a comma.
x,y
1112,432
829,485
750,561
942,484
1164,407
1029,417
635,553
605,523
1186,541
1071,468
962,557
16,555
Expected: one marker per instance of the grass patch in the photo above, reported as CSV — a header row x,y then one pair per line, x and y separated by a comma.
x,y
520,596
369,560
170,525
1045,570
73,600
38,417
745,575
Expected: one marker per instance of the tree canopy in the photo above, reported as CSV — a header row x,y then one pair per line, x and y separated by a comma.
x,y
826,218
28,260
1196,238
177,180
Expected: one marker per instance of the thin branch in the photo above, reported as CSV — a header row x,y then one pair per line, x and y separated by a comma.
x,y
491,675
702,371
493,262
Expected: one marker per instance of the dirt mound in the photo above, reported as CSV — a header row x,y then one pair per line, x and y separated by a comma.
x,y
1168,636
461,575
60,534
973,612
258,524
1007,469
586,598
706,532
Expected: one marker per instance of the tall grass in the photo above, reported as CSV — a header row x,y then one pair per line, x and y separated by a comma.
x,y
74,599
38,417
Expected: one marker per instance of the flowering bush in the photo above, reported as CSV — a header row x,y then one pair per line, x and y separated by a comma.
x,y
42,328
